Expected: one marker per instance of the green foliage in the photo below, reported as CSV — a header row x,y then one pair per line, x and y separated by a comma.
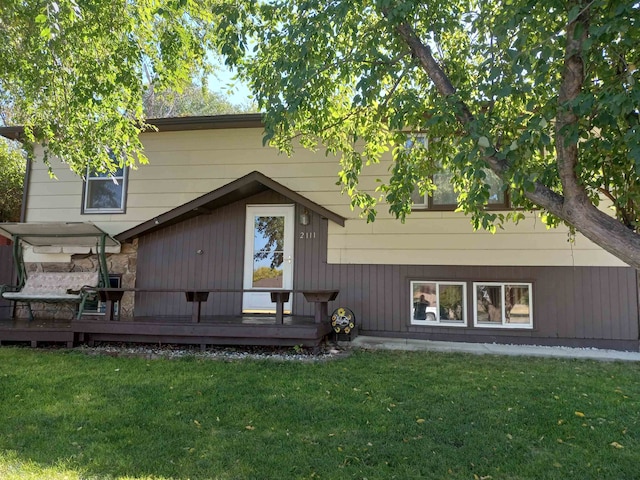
x,y
74,70
375,415
343,74
266,272
12,171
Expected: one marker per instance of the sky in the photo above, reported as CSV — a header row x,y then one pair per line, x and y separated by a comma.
x,y
223,82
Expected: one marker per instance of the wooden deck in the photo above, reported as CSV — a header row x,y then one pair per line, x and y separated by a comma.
x,y
228,330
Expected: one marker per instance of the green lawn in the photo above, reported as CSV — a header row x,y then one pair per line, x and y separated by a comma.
x,y
374,415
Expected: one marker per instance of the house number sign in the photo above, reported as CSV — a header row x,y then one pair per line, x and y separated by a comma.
x,y
307,235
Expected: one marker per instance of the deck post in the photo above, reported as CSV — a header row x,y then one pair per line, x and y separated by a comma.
x,y
321,298
110,296
280,297
196,298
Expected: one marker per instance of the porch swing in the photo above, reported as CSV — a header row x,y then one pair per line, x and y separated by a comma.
x,y
56,287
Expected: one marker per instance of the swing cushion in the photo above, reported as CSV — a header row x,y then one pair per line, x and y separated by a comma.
x,y
55,287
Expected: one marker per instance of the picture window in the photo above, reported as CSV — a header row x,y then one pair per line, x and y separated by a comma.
x,y
503,305
438,303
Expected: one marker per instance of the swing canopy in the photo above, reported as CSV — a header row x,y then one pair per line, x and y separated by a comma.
x,y
76,234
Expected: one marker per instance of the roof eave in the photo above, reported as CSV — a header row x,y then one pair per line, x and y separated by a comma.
x,y
244,187
175,124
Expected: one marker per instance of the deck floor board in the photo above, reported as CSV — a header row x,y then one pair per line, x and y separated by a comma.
x,y
216,330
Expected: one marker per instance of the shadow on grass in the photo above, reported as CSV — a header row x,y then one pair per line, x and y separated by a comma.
x,y
374,415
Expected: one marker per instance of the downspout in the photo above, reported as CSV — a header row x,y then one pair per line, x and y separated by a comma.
x,y
25,191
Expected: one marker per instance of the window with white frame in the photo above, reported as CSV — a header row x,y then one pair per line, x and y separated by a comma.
x,y
444,197
105,192
503,305
438,303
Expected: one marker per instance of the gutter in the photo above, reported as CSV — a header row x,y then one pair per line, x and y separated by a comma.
x,y
171,124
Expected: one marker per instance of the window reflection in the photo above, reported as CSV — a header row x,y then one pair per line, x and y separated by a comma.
x,y
268,252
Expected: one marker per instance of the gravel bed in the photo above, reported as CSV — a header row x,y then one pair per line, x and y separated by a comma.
x,y
148,351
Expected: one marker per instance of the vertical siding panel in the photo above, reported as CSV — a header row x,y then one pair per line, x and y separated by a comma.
x,y
401,295
631,297
383,297
615,314
624,313
211,243
634,307
395,281
157,280
376,291
630,313
564,312
570,312
557,322
175,241
586,295
577,302
205,260
360,277
591,289
365,315
623,304
236,259
601,320
206,256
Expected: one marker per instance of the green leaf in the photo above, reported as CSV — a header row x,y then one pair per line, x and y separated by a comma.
x,y
483,142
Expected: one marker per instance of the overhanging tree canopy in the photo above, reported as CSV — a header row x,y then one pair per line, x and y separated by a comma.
x,y
545,94
74,70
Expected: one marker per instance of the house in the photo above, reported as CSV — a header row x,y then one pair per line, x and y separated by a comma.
x,y
215,210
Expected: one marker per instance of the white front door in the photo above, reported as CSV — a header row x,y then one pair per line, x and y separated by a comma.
x,y
268,256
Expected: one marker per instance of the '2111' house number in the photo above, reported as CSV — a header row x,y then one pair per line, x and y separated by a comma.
x,y
307,235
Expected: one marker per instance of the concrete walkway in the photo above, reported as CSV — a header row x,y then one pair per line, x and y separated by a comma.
x,y
493,349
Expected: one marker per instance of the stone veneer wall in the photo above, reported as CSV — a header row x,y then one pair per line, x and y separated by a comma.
x,y
123,264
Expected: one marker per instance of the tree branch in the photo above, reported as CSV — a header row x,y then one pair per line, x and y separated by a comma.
x,y
574,207
541,195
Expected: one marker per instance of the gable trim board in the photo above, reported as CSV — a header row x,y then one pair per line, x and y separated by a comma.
x,y
251,184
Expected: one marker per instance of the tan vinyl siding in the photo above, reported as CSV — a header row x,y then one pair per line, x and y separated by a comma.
x,y
187,164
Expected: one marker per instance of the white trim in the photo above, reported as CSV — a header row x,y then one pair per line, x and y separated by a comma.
x,y
503,324
92,179
259,300
438,322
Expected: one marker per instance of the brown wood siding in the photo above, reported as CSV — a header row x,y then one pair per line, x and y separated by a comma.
x,y
168,259
568,302
7,277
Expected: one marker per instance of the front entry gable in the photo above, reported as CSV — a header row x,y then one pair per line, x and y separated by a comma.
x,y
244,187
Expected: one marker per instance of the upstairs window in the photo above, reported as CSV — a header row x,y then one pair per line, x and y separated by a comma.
x,y
445,197
105,192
